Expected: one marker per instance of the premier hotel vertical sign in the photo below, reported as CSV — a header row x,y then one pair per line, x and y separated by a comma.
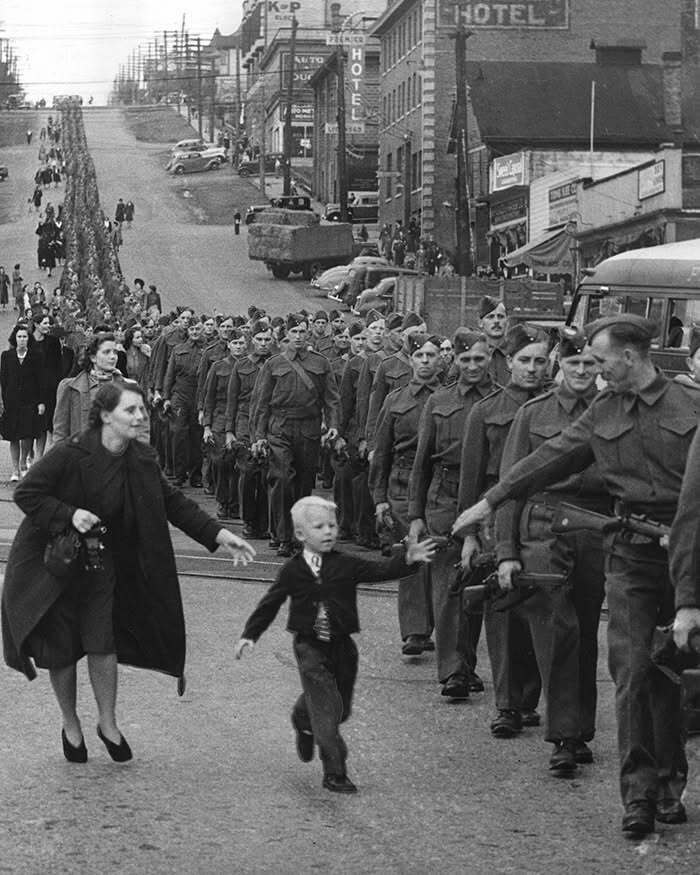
x,y
496,14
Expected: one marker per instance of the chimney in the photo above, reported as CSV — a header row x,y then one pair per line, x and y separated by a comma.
x,y
672,90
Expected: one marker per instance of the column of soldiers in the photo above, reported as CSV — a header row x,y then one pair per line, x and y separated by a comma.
x,y
479,452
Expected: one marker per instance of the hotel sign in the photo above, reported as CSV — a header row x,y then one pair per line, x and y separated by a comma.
x,y
499,15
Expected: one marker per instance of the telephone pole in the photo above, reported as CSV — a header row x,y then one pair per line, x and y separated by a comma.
x,y
463,227
199,86
342,155
165,63
287,168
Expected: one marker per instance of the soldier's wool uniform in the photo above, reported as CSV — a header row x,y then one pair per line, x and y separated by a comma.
x,y
180,388
433,487
516,679
355,505
160,357
393,372
223,463
563,622
296,390
237,421
211,353
390,472
640,442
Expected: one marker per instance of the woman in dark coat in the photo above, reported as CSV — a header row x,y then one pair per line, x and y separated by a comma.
x,y
47,348
129,610
23,397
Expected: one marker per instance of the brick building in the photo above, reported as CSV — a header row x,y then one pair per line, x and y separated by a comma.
x,y
362,122
418,88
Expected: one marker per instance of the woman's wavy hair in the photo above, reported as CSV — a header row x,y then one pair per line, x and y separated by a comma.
x,y
20,326
108,397
129,335
96,342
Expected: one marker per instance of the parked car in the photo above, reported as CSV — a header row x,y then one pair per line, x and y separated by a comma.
x,y
196,145
252,168
328,280
193,162
291,202
4,173
363,207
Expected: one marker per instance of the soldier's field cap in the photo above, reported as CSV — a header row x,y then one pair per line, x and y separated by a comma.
x,y
295,319
572,341
321,315
645,327
465,338
334,314
356,328
416,341
488,305
411,320
394,320
522,335
258,327
373,316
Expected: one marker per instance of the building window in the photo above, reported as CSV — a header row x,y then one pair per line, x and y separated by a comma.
x,y
389,177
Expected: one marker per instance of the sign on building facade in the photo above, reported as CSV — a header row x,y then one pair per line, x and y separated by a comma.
x,y
497,14
651,180
508,170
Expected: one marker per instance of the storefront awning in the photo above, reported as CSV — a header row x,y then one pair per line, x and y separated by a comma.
x,y
550,253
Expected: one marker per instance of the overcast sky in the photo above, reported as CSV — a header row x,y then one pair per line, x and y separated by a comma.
x,y
76,46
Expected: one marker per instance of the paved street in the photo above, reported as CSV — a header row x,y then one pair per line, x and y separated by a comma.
x,y
216,786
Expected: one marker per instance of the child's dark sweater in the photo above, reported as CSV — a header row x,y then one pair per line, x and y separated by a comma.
x,y
340,575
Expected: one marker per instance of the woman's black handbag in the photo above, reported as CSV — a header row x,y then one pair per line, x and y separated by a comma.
x,y
62,552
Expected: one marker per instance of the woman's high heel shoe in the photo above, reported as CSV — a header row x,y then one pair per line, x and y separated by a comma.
x,y
121,752
71,753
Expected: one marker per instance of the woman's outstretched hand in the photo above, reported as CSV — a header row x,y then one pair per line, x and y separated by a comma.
x,y
240,550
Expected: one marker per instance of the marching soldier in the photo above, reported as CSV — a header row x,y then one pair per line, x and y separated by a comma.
x,y
432,502
492,321
563,621
171,337
354,406
237,422
394,372
222,464
212,351
390,473
296,392
321,337
346,463
179,396
516,680
638,432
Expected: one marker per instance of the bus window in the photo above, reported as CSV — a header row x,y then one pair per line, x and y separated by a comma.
x,y
685,314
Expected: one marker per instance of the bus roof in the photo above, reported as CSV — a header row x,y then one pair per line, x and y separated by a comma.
x,y
670,267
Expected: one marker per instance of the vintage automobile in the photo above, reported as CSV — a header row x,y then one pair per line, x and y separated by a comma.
x,y
661,283
193,162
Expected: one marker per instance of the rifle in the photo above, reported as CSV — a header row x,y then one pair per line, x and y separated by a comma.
x,y
525,585
571,518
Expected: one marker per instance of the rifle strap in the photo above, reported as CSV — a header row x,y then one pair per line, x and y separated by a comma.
x,y
305,379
